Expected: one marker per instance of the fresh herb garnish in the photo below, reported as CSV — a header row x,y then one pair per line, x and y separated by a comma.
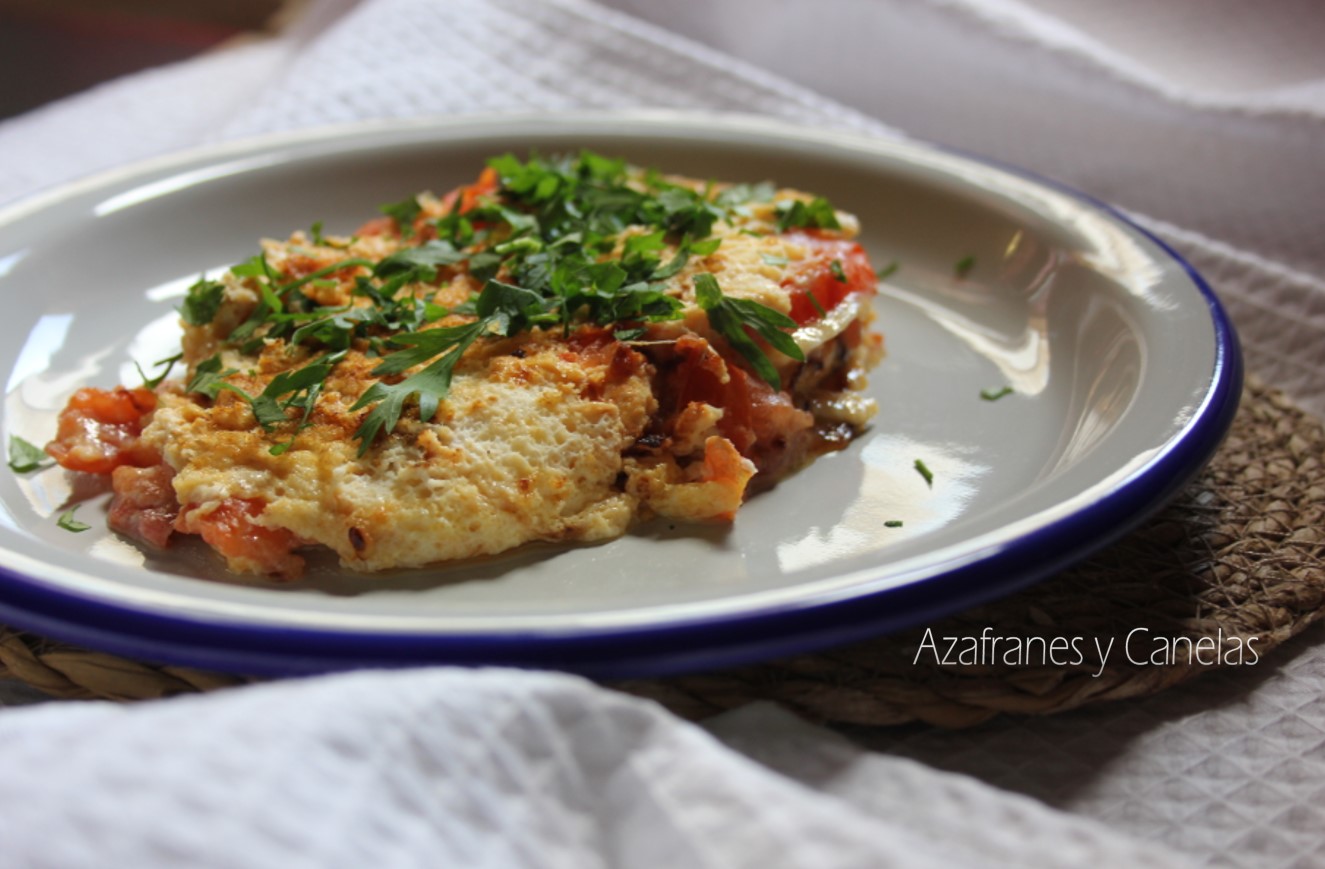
x,y
25,457
887,271
731,317
838,272
69,523
814,300
925,472
256,266
428,386
420,263
995,394
154,382
209,377
574,240
403,213
964,265
738,195
893,523
202,302
297,388
815,214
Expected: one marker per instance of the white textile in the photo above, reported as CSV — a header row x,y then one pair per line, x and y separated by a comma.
x,y
488,769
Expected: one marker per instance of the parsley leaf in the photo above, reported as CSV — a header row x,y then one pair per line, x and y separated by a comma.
x,y
154,382
202,302
429,386
995,394
255,266
403,213
209,377
731,317
25,456
69,523
303,385
924,471
814,300
838,272
423,346
420,262
815,214
963,266
511,309
887,271
738,195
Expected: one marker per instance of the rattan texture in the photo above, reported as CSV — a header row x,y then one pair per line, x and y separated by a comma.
x,y
1236,557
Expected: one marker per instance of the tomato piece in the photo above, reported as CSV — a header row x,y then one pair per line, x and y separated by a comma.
x,y
144,506
302,265
817,276
378,226
702,376
759,422
424,230
247,546
469,195
98,430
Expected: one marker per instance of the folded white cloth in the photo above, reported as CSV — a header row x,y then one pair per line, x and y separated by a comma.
x,y
489,768
498,768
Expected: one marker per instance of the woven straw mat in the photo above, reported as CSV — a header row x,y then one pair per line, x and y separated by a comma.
x,y
1237,557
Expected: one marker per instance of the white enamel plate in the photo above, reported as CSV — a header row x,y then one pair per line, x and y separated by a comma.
x,y
1123,368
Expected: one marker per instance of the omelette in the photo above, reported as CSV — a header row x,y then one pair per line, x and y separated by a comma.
x,y
556,352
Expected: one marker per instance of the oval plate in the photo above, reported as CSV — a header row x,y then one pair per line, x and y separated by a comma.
x,y
1124,373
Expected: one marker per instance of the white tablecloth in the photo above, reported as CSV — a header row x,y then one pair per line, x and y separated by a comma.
x,y
1204,118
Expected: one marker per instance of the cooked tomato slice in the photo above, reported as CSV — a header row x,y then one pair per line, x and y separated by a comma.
x,y
98,430
469,195
144,507
758,421
378,226
247,546
834,269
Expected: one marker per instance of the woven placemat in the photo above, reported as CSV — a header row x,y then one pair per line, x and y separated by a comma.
x,y
1238,558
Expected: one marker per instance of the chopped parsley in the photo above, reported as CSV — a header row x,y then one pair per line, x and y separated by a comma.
x,y
209,378
924,471
893,523
404,214
995,394
549,250
201,302
25,456
887,271
963,266
815,214
838,272
69,523
814,300
731,317
154,382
